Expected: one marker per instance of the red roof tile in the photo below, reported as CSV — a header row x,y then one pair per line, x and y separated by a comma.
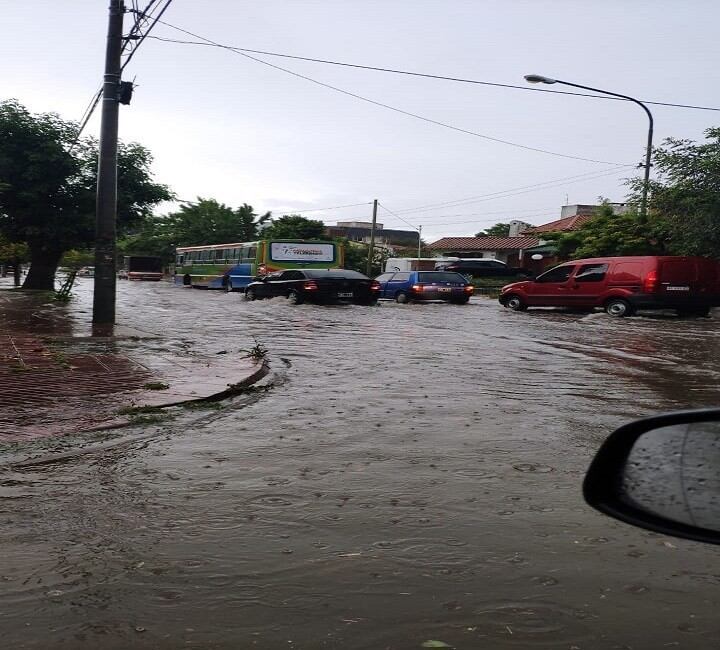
x,y
561,225
484,243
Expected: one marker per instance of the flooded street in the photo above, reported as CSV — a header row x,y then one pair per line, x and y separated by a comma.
x,y
412,473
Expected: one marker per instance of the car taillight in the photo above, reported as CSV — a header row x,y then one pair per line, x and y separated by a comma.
x,y
651,282
417,287
374,286
310,285
469,288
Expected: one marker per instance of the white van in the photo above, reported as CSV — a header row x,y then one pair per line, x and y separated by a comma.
x,y
415,263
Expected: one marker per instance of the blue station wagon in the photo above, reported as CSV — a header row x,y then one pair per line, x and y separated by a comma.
x,y
425,285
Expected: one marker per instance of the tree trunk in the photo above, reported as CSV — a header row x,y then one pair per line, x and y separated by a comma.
x,y
17,271
43,266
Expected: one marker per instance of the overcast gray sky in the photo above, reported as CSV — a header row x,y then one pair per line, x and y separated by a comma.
x,y
227,127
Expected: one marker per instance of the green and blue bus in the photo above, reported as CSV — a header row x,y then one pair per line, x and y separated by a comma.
x,y
233,266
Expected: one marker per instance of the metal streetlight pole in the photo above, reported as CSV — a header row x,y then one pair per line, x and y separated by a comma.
x,y
536,78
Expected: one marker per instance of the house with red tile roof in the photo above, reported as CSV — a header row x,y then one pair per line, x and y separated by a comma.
x,y
572,217
505,249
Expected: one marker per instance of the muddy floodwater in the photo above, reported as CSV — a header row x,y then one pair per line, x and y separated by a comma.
x,y
411,474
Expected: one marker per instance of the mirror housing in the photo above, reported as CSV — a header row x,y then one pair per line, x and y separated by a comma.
x,y
663,474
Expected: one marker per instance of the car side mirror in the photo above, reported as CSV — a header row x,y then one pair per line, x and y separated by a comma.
x,y
663,474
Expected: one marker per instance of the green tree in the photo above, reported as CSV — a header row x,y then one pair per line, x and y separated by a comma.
x,y
608,234
47,188
205,221
356,256
498,230
294,226
684,203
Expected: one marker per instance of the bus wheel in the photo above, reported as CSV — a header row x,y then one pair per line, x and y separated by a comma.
x,y
187,280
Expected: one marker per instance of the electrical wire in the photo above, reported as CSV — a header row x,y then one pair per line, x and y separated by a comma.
x,y
392,108
155,21
516,190
140,17
334,207
418,227
421,74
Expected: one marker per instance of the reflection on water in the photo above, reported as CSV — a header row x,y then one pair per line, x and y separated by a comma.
x,y
415,475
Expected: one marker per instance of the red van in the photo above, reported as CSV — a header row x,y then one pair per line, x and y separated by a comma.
x,y
622,285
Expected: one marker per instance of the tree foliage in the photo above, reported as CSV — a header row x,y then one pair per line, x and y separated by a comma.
x,y
205,221
356,257
683,208
294,226
684,204
498,230
608,234
48,183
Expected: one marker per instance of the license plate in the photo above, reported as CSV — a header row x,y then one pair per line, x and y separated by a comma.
x,y
345,294
444,289
678,288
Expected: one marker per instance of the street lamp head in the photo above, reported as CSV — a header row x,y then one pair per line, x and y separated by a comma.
x,y
539,79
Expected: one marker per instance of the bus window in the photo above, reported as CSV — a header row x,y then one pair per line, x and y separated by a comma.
x,y
252,253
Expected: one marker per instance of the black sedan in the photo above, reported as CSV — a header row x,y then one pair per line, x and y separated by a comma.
x,y
315,285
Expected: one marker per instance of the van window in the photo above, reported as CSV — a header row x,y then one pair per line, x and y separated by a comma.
x,y
558,274
591,273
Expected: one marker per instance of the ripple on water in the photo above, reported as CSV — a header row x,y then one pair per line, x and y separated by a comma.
x,y
530,624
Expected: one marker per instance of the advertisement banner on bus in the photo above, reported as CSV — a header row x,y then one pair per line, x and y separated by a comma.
x,y
311,252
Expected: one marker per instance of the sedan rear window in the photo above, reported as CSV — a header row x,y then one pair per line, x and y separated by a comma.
x,y
435,276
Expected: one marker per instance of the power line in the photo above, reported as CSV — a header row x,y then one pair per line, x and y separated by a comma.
x,y
421,74
523,189
145,34
388,106
418,228
141,16
286,211
334,207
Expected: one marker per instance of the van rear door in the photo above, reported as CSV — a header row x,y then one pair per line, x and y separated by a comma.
x,y
679,277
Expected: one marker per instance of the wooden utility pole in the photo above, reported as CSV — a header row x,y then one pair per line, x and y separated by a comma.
x,y
106,201
368,269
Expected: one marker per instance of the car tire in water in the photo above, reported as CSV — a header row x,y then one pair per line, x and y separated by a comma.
x,y
250,294
515,303
619,308
294,298
461,301
401,297
187,280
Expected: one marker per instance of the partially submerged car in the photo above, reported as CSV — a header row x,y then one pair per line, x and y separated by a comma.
x,y
425,285
315,285
622,285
